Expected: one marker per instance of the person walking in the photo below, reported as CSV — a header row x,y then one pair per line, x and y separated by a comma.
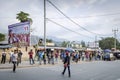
x,y
10,59
3,60
36,55
52,57
19,57
44,57
14,60
40,56
49,57
31,57
67,64
56,56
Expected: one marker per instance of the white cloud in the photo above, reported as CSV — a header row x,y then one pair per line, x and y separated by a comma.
x,y
77,8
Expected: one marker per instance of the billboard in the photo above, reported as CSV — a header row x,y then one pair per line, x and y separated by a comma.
x,y
19,34
93,44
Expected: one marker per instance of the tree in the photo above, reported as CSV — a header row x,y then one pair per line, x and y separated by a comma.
x,y
108,43
49,40
64,43
2,37
83,43
23,17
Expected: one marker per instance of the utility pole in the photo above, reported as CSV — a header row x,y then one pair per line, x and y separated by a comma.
x,y
115,31
45,25
95,43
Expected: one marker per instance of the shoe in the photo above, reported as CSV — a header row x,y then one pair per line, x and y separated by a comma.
x,y
62,73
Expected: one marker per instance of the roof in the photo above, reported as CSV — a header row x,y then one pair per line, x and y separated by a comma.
x,y
3,46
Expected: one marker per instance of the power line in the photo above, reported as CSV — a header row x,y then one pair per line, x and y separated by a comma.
x,y
72,20
77,17
67,28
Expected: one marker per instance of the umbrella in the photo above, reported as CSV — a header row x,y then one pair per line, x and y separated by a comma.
x,y
69,49
107,50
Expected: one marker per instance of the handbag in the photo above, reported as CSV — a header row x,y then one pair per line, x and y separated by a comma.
x,y
66,64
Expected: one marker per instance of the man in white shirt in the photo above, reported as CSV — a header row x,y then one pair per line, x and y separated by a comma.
x,y
14,60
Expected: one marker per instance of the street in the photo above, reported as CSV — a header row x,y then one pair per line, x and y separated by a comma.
x,y
96,70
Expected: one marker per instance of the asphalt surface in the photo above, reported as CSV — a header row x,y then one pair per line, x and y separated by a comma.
x,y
97,70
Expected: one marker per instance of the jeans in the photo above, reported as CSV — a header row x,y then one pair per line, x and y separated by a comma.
x,y
3,59
40,61
68,70
14,65
31,60
52,60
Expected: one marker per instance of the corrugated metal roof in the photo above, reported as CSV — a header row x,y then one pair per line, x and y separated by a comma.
x,y
3,46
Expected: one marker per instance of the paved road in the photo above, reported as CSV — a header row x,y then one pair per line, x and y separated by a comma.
x,y
99,70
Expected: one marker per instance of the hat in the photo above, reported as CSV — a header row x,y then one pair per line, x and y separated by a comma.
x,y
66,53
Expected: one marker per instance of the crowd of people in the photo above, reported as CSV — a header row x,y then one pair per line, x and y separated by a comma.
x,y
49,56
14,57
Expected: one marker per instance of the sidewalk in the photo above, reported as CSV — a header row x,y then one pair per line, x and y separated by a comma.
x,y
26,64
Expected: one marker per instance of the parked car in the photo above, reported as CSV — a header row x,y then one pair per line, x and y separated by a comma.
x,y
117,55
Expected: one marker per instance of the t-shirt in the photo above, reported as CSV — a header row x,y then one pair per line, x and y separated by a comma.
x,y
14,57
11,53
3,53
30,54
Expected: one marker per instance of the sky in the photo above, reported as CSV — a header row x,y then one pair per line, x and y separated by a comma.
x,y
94,18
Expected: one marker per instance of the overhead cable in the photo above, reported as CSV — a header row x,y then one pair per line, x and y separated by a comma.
x,y
67,28
73,20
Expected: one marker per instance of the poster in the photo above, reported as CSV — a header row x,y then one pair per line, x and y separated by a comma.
x,y
19,34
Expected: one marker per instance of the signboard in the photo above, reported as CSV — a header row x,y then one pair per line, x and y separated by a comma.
x,y
93,44
19,34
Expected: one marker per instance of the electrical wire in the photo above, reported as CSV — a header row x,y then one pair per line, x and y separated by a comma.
x,y
68,28
73,20
77,17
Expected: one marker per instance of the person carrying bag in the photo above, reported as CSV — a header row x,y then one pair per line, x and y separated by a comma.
x,y
67,64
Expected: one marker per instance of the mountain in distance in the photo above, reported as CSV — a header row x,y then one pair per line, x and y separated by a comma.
x,y
34,39
55,39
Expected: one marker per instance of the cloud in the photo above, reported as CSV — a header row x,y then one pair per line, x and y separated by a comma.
x,y
72,8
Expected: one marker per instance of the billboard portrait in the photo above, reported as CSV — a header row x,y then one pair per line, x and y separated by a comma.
x,y
19,34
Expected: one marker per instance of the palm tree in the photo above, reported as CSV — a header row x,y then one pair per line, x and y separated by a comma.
x,y
23,17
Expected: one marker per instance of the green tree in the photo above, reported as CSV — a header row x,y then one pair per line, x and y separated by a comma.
x,y
108,43
83,43
65,43
23,17
2,37
49,40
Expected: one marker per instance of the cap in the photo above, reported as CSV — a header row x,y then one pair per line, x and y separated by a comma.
x,y
66,53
